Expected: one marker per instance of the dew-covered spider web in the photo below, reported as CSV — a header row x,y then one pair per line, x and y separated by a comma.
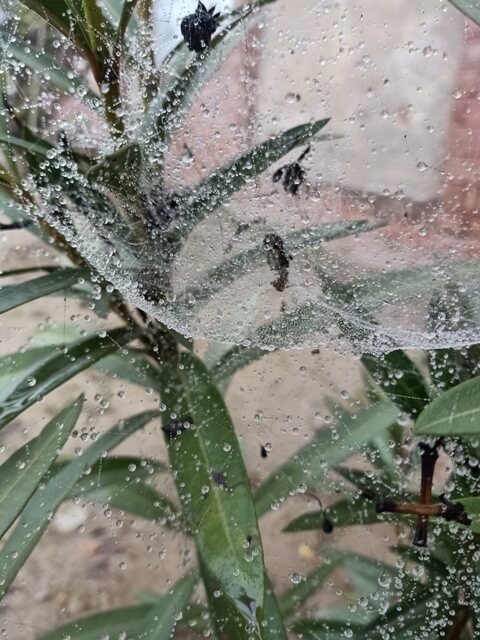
x,y
363,236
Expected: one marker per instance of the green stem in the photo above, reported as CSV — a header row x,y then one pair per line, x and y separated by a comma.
x,y
105,66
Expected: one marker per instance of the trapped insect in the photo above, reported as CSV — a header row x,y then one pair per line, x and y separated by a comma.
x,y
176,427
292,175
197,28
277,259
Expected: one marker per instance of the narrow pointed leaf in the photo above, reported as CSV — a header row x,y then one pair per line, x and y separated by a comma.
x,y
54,73
311,629
38,511
162,619
125,470
472,507
454,413
23,471
136,498
66,16
60,367
15,295
471,8
119,171
273,629
235,359
132,366
216,498
400,379
294,597
343,513
117,623
174,103
228,179
329,445
245,262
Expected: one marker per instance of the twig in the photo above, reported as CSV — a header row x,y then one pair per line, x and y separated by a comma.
x,y
450,511
429,458
462,616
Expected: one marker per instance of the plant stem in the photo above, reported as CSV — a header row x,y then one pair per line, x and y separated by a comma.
x,y
104,66
462,616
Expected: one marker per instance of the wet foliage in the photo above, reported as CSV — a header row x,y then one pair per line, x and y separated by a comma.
x,y
107,206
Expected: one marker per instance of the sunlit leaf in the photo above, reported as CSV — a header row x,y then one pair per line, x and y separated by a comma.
x,y
454,413
215,494
38,511
23,471
63,365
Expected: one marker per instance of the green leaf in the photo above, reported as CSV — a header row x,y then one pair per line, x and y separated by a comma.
x,y
343,513
23,471
133,366
136,498
400,379
331,446
273,629
120,171
472,507
235,359
38,511
219,186
15,295
36,148
50,69
245,262
363,570
66,16
471,8
294,597
123,622
215,493
14,364
113,470
63,365
454,413
173,102
311,629
162,619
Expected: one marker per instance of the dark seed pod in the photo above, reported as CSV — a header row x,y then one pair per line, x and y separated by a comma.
x,y
197,28
327,525
176,427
